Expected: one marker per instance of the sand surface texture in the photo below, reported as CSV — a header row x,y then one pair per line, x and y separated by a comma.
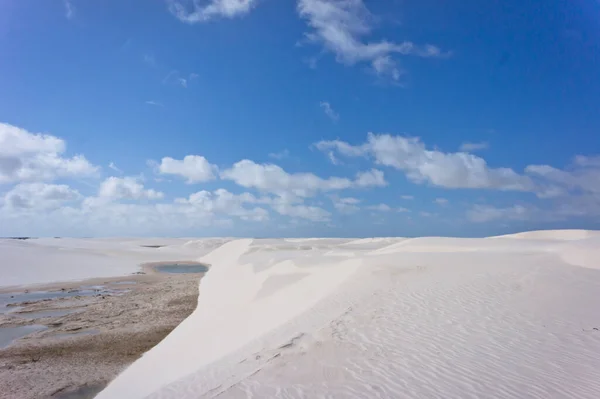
x,y
510,316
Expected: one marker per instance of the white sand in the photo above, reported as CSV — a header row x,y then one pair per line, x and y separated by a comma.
x,y
47,260
511,316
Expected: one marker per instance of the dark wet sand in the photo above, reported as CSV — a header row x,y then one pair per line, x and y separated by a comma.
x,y
123,326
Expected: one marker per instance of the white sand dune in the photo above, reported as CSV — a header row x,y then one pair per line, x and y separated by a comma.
x,y
553,235
509,316
512,316
47,260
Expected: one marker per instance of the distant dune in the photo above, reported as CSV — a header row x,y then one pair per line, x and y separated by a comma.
x,y
553,235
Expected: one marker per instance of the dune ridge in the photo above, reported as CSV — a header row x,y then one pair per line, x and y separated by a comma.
x,y
426,317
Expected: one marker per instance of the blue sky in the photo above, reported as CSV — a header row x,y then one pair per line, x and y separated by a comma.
x,y
298,118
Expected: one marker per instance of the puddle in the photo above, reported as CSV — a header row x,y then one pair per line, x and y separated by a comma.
x,y
47,313
9,334
84,392
76,334
182,268
6,299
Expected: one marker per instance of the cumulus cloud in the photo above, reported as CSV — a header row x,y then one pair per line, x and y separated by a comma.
x,y
331,114
312,213
346,205
194,11
371,178
39,196
223,201
572,192
194,168
26,156
487,213
441,201
421,165
341,27
583,175
129,188
273,179
407,197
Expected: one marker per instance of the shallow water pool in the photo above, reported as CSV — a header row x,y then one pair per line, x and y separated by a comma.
x,y
9,334
182,268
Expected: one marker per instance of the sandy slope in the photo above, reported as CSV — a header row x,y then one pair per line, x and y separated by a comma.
x,y
389,318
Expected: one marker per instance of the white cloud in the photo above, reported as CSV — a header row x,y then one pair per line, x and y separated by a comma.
x,y
341,26
225,202
407,197
69,9
182,82
583,175
380,208
280,155
371,178
463,170
346,205
450,170
470,147
39,196
194,168
326,107
572,192
273,179
332,158
441,201
114,167
155,103
26,156
312,213
195,12
486,213
126,188
176,78
343,148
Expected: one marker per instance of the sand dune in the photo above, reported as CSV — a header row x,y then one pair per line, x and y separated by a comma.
x,y
47,260
553,235
511,316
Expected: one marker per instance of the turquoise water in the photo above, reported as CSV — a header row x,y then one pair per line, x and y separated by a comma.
x,y
182,268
